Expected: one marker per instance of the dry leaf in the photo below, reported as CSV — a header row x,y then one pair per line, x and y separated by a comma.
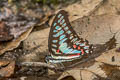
x,y
109,7
98,29
4,32
8,69
18,25
78,10
37,38
13,44
78,74
36,43
3,63
111,57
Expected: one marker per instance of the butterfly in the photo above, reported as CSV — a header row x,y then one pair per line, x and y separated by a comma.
x,y
63,43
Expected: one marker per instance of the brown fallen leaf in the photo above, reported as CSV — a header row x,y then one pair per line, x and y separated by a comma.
x,y
8,69
109,7
37,38
18,25
4,32
98,29
78,74
3,63
111,57
78,10
6,46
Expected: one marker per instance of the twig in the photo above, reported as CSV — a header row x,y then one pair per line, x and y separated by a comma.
x,y
37,64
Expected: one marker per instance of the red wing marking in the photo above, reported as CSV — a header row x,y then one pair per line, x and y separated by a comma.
x,y
58,50
79,47
74,46
75,54
82,51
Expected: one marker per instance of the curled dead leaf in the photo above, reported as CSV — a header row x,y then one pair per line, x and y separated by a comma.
x,y
3,63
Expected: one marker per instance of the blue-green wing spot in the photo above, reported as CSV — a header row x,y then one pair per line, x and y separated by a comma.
x,y
86,47
67,50
55,30
66,28
61,22
59,15
62,41
53,45
75,39
82,44
68,32
64,25
71,37
60,19
60,28
57,27
87,51
58,34
54,50
54,41
54,24
62,36
77,43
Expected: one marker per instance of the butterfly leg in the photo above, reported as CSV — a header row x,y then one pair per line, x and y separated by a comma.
x,y
62,66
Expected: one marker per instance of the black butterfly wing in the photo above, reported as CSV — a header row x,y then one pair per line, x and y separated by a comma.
x,y
63,43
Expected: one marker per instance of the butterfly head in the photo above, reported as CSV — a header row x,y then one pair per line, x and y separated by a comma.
x,y
47,58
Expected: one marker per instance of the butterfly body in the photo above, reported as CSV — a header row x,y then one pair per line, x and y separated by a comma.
x,y
64,44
